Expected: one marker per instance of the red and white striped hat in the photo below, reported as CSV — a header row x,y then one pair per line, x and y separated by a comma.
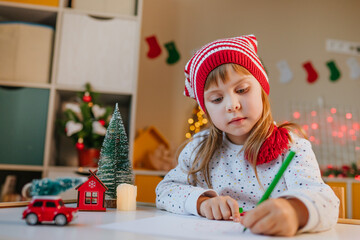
x,y
240,50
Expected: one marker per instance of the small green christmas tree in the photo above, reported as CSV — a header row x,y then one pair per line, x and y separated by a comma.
x,y
114,165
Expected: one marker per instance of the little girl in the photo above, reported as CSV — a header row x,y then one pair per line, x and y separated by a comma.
x,y
231,164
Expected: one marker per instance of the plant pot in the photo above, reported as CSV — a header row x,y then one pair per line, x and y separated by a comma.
x,y
88,157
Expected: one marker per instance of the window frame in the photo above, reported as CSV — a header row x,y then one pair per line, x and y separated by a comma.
x,y
92,199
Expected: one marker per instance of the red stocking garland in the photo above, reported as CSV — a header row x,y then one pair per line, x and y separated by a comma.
x,y
312,75
154,47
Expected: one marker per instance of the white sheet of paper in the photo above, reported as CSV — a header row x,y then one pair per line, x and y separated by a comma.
x,y
181,226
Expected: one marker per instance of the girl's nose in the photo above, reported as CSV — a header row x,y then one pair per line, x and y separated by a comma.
x,y
234,105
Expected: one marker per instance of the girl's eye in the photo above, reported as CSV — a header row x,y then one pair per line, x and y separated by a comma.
x,y
242,90
217,100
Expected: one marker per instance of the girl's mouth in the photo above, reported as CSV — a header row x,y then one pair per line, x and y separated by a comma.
x,y
237,120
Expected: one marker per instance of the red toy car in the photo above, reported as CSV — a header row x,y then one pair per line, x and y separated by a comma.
x,y
48,209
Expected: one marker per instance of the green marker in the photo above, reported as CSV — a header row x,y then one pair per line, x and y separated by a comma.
x,y
277,177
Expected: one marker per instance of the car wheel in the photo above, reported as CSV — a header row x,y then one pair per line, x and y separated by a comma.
x,y
60,220
31,219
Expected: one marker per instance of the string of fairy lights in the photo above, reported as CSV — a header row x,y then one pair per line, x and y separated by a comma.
x,y
196,122
334,131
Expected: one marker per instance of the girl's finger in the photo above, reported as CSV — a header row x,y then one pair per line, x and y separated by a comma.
x,y
216,212
225,210
234,208
256,214
266,225
207,212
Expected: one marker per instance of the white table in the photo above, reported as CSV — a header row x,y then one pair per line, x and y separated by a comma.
x,y
85,226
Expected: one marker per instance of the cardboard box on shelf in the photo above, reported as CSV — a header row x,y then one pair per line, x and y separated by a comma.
x,y
26,50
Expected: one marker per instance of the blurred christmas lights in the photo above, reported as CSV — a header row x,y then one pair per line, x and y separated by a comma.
x,y
197,122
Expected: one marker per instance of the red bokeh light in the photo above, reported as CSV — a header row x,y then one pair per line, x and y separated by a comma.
x,y
333,110
312,138
296,115
351,132
343,128
305,127
330,119
313,113
314,126
356,126
340,135
348,116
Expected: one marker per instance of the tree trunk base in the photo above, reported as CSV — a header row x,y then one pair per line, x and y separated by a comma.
x,y
110,203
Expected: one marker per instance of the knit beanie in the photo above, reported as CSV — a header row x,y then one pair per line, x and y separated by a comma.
x,y
239,50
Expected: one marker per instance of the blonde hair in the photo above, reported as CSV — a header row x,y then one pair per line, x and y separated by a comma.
x,y
259,133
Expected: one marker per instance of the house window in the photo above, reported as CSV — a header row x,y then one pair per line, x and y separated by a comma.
x,y
91,198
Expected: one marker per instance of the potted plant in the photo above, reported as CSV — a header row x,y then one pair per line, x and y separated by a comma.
x,y
85,122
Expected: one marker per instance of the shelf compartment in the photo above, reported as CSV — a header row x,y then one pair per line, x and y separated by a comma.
x,y
101,51
63,149
23,125
28,13
12,183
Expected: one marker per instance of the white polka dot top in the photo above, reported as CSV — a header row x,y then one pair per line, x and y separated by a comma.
x,y
232,175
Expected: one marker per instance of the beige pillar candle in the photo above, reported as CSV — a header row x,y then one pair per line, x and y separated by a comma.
x,y
126,197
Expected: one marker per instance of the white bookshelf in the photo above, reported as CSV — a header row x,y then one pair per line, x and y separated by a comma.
x,y
58,92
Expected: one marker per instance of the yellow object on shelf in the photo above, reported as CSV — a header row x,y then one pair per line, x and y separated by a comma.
x,y
146,187
356,200
53,3
352,195
147,142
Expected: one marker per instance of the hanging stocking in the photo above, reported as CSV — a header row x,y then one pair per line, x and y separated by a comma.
x,y
312,75
174,55
154,47
354,67
285,72
334,71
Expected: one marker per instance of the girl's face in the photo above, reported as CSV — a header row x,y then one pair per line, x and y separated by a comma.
x,y
235,105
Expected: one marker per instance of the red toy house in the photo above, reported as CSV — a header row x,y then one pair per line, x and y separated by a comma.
x,y
91,194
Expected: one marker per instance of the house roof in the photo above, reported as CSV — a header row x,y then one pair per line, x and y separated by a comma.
x,y
93,173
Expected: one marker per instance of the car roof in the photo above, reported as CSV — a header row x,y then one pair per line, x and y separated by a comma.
x,y
46,197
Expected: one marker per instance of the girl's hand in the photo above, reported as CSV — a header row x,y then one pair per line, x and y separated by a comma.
x,y
219,208
280,217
